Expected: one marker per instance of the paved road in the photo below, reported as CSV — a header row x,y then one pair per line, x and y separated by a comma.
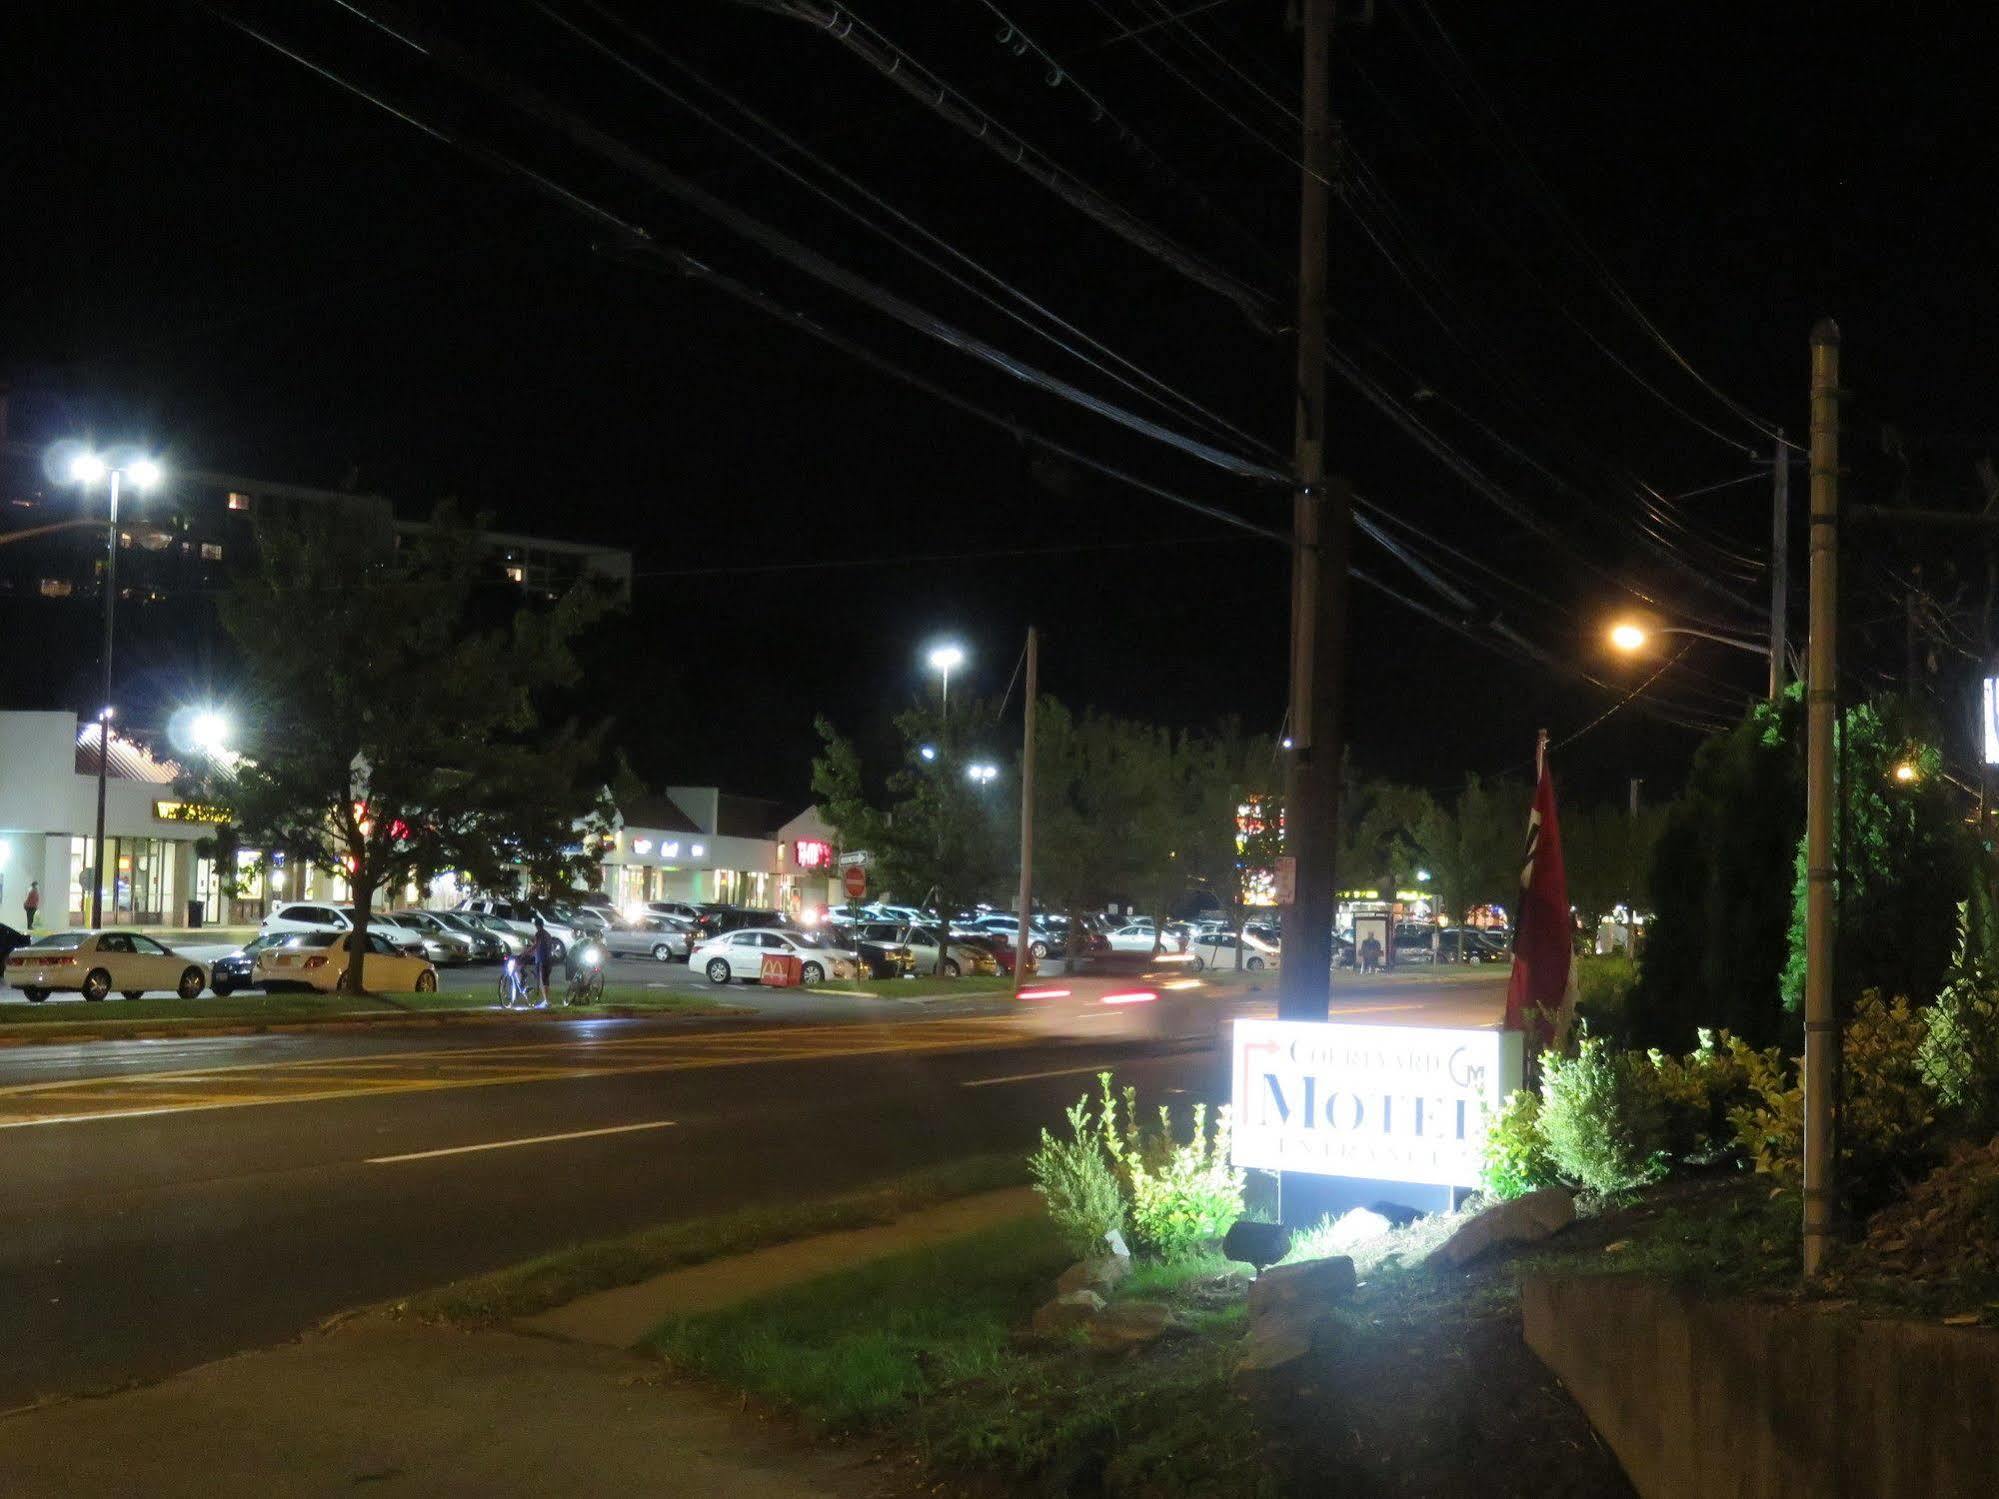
x,y
167,1202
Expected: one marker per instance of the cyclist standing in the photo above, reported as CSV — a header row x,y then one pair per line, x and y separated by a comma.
x,y
541,954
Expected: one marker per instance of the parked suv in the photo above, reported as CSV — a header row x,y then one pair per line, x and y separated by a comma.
x,y
313,916
714,920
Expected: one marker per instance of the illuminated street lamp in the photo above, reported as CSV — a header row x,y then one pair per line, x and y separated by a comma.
x,y
1908,773
928,751
208,732
944,659
86,468
1629,637
982,774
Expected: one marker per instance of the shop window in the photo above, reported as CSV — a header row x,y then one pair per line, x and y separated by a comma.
x,y
57,588
210,552
238,500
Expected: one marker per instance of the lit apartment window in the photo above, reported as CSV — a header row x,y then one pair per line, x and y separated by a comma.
x,y
238,500
517,575
56,588
210,552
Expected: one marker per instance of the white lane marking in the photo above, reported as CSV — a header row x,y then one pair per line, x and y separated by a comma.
x,y
1024,1077
576,1134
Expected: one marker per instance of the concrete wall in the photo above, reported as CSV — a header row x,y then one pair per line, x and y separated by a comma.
x,y
1766,1401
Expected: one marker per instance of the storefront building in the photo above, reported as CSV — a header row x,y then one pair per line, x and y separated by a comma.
x,y
700,844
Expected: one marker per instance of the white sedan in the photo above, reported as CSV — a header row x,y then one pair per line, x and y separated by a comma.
x,y
94,963
318,961
740,955
1141,936
1218,950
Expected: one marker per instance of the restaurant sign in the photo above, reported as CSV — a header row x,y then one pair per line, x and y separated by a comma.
x,y
1397,1103
190,812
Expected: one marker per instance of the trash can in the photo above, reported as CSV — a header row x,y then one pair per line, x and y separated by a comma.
x,y
194,910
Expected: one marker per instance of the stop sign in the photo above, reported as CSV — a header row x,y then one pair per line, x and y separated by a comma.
x,y
854,880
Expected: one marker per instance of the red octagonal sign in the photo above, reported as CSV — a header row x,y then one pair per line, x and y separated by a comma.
x,y
854,880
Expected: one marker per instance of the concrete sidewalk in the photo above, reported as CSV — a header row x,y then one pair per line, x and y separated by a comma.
x,y
397,1408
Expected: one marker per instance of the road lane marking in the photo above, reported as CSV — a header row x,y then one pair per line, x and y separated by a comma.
x,y
575,1134
1025,1077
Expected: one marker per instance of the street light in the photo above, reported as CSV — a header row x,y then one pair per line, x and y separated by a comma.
x,y
86,469
982,774
945,659
1908,773
1630,638
928,751
208,732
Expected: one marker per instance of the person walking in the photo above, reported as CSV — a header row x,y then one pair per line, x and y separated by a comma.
x,y
1370,955
541,953
33,903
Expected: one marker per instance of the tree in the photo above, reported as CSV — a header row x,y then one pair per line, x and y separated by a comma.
x,y
396,735
1607,853
1721,886
934,833
1230,840
1471,848
1379,822
1904,864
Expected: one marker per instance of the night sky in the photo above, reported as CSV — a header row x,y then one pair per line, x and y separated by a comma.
x,y
211,248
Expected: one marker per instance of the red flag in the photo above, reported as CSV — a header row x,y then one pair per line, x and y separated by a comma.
x,y
1539,999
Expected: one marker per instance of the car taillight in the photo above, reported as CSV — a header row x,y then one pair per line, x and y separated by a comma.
x,y
315,962
25,961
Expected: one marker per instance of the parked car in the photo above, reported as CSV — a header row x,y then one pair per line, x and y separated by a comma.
x,y
923,943
487,945
10,938
318,961
881,960
661,938
594,915
1041,942
441,944
95,963
679,908
1141,936
510,942
313,916
233,971
999,949
740,955
1218,950
1468,944
715,920
519,918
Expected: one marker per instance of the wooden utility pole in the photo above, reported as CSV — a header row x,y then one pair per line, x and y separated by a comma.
x,y
1076,936
1321,523
1780,564
1821,1022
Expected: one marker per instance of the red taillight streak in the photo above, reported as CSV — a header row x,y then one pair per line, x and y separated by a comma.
x,y
1044,994
1130,997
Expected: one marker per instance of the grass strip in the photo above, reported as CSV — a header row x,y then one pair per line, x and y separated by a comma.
x,y
923,1347
561,1277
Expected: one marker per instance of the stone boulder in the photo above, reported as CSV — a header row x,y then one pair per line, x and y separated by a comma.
x,y
1525,1220
1098,1274
1280,1339
1308,1287
1066,1313
1130,1324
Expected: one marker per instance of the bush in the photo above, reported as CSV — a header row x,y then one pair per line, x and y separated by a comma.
x,y
1516,1153
1886,1104
1960,1055
1698,1092
1603,1118
1078,1181
1603,996
1181,1196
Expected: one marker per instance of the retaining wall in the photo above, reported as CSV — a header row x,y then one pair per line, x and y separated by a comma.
x,y
1767,1401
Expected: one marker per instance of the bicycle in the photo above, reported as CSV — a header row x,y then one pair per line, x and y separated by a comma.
x,y
586,976
513,985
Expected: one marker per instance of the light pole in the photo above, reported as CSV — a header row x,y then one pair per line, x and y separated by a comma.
x,y
86,469
944,659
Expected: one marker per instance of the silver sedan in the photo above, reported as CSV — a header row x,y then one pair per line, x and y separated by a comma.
x,y
661,938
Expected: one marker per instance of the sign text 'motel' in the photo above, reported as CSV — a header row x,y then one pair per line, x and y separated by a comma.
x,y
1386,1102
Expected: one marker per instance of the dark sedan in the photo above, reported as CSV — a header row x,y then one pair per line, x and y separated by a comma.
x,y
884,960
228,974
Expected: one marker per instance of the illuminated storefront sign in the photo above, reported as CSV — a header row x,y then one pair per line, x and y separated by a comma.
x,y
813,853
1384,1102
190,812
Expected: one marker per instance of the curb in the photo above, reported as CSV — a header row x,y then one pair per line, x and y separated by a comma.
x,y
56,1034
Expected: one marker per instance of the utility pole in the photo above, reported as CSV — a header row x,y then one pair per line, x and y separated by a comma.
x,y
1027,817
1631,867
1780,563
1321,522
104,706
1821,1023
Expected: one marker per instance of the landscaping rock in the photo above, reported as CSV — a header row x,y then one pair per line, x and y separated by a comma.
x,y
1310,1286
1279,1340
1525,1220
1067,1312
1129,1324
1098,1275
